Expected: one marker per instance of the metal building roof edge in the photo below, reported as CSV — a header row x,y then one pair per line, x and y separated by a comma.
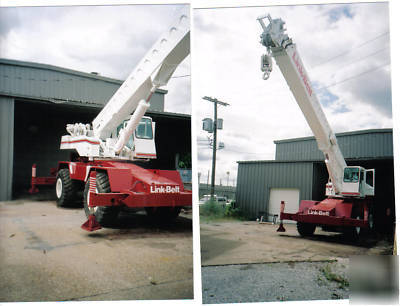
x,y
272,161
170,114
90,104
13,62
359,132
49,99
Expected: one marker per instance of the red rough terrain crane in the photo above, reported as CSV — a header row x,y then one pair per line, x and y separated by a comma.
x,y
349,191
106,170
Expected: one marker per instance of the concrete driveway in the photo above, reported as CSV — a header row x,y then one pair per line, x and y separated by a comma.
x,y
226,243
251,262
45,256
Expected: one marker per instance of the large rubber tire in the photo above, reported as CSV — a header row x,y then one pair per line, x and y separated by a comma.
x,y
371,223
163,214
106,216
355,234
66,189
306,229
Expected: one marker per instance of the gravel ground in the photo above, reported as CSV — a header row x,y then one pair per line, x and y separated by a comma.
x,y
293,281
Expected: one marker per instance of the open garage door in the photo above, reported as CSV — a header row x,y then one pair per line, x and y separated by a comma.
x,y
38,127
291,196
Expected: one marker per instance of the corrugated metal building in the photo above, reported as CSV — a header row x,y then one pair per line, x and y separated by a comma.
x,y
36,103
299,173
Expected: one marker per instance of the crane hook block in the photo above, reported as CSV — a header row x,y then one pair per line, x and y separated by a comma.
x,y
266,65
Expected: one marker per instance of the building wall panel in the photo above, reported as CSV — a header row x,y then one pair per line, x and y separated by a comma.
x,y
255,179
354,145
6,147
44,82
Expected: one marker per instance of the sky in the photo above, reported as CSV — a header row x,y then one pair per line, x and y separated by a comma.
x,y
110,40
345,50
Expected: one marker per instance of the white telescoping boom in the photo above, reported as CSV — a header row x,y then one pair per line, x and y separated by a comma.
x,y
344,180
153,71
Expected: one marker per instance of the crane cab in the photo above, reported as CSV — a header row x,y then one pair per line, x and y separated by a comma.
x,y
357,182
141,142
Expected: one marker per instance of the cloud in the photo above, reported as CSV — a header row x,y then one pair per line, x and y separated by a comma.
x,y
344,11
8,20
110,40
179,101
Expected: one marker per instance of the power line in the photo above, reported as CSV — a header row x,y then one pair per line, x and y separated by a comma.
x,y
250,153
353,77
180,76
363,58
230,150
348,51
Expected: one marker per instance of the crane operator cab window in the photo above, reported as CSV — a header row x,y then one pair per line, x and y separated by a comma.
x,y
144,130
351,175
141,142
130,143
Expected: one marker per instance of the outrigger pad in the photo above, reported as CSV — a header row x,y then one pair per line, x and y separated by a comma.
x,y
91,224
33,190
281,228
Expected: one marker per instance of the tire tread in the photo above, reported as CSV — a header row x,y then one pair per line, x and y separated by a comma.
x,y
69,195
106,216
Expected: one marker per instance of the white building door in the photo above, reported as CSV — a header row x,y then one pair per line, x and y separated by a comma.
x,y
291,196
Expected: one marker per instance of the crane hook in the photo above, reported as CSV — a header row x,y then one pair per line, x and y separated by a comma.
x,y
266,75
266,66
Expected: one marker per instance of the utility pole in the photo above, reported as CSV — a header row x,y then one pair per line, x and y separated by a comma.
x,y
216,102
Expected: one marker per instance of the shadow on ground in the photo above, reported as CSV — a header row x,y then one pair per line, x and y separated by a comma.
x,y
218,246
340,238
139,225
